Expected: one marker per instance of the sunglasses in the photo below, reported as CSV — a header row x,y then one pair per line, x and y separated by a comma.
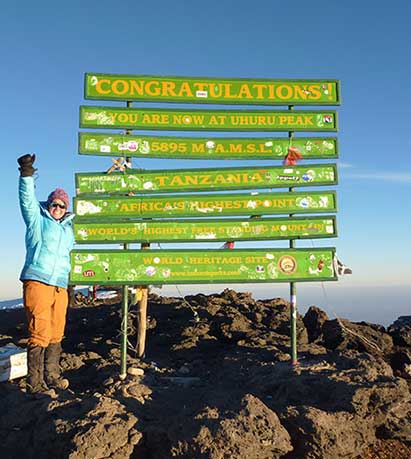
x,y
57,204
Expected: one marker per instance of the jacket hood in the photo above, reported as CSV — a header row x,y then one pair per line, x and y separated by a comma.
x,y
68,216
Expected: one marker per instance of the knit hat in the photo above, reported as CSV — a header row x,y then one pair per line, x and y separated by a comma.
x,y
58,193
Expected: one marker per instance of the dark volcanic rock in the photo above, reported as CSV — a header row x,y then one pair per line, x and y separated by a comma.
x,y
319,434
277,318
397,424
251,431
105,432
400,331
314,321
400,361
231,325
216,382
332,408
341,334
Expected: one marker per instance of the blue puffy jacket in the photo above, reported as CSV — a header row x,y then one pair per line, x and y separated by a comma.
x,y
48,241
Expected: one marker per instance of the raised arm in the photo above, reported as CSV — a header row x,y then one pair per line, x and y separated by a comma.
x,y
29,206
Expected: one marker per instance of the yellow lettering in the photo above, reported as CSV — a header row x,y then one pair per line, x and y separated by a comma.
x,y
198,147
198,119
245,92
301,92
235,148
315,92
260,88
162,180
200,86
99,86
136,87
155,118
119,87
185,90
215,90
152,88
191,179
176,180
124,207
213,121
205,180
169,88
271,92
284,92
146,118
237,178
257,178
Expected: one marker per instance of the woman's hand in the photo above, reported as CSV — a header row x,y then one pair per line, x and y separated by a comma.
x,y
26,165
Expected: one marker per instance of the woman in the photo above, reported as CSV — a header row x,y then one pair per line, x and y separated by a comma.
x,y
49,239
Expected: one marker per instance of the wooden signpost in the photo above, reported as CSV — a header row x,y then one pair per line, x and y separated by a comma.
x,y
164,181
216,204
96,143
153,267
93,231
207,120
146,88
147,206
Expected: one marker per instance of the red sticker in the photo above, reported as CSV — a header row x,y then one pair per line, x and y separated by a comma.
x,y
89,273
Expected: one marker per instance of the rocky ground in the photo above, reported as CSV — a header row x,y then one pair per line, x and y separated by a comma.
x,y
216,383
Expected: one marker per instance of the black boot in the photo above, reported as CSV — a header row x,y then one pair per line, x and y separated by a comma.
x,y
52,367
35,373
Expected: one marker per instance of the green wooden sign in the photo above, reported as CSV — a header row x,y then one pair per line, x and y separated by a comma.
x,y
162,181
207,205
152,267
205,230
209,120
211,90
92,143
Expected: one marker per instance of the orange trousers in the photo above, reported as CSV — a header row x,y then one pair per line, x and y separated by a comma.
x,y
46,308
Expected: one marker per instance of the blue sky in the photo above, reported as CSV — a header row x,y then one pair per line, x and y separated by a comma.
x,y
46,47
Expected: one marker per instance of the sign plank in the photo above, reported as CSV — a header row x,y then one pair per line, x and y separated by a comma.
x,y
144,267
208,120
100,86
93,143
163,181
207,205
205,230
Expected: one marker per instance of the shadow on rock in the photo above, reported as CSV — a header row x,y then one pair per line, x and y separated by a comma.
x,y
216,381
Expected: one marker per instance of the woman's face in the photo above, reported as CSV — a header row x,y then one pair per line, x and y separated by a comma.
x,y
57,209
